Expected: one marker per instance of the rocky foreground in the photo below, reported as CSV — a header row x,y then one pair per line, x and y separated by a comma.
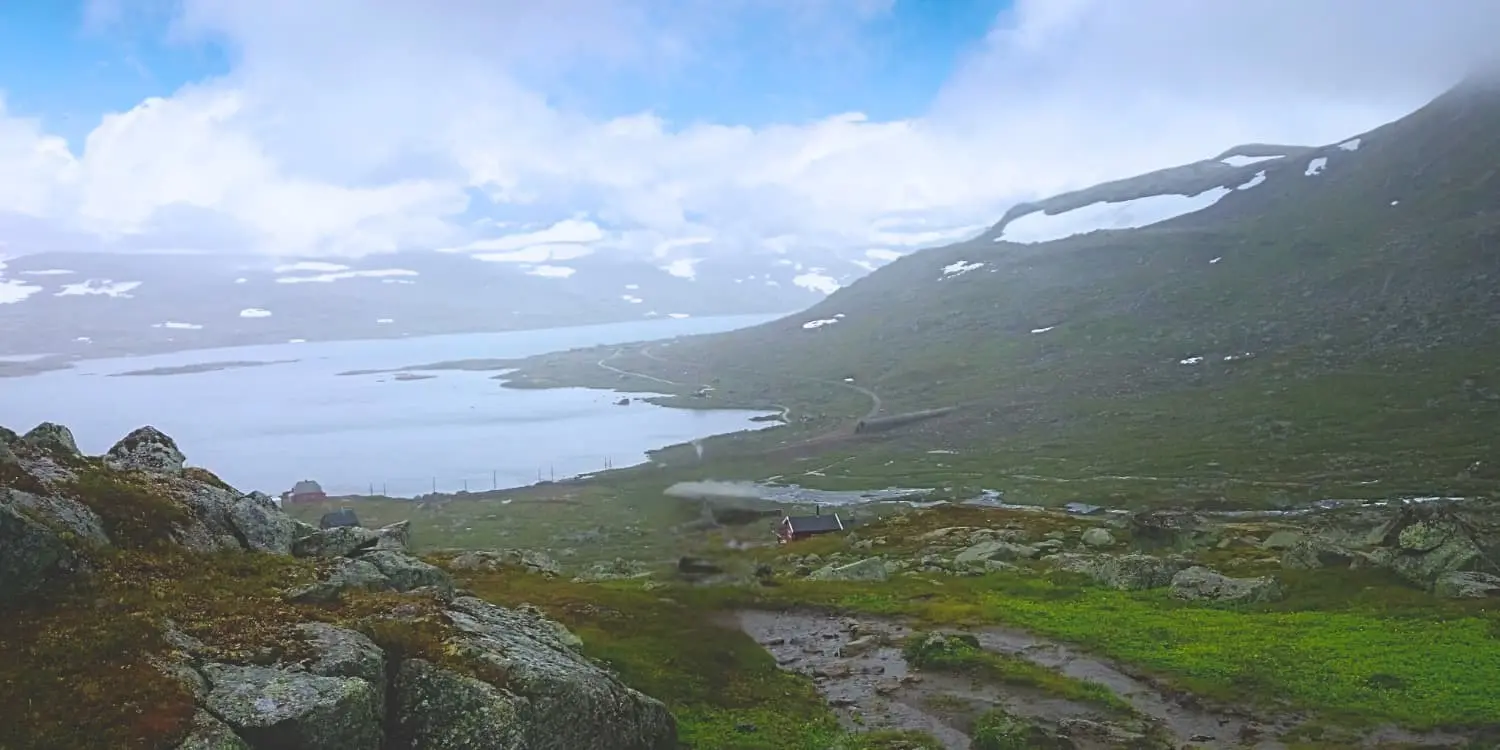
x,y
202,617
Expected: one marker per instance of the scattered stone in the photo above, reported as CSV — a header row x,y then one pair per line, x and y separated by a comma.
x,y
1098,537
145,449
869,569
1133,572
1283,539
1312,553
345,653
395,537
347,575
1201,584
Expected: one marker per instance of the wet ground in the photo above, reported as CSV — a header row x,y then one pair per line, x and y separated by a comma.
x,y
858,666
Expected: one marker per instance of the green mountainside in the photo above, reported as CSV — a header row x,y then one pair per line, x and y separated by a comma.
x,y
1332,328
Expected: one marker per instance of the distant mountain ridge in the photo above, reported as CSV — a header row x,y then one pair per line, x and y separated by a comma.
x,y
91,304
1334,307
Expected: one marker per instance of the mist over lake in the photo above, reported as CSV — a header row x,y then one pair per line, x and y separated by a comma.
x,y
284,413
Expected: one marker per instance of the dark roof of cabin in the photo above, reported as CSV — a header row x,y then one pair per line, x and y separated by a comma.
x,y
306,486
817,523
343,517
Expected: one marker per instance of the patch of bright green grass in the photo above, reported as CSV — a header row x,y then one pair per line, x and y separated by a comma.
x,y
1359,653
962,653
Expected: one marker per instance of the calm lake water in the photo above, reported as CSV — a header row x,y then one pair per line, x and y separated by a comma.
x,y
267,427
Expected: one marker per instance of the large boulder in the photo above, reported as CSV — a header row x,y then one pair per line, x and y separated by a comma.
x,y
294,710
1134,572
339,541
262,526
345,653
146,449
208,733
52,439
31,552
406,572
1467,585
1201,584
553,699
994,550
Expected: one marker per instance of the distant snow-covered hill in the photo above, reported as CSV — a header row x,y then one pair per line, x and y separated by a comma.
x,y
91,304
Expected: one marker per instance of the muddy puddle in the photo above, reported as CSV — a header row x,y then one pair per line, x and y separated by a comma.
x,y
857,665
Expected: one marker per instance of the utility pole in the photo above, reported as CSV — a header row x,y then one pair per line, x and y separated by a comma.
x,y
466,485
434,485
494,480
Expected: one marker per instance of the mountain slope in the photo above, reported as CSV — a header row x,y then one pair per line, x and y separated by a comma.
x,y
1332,316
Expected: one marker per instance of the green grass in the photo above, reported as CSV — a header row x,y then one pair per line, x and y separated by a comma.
x,y
961,653
725,690
1353,649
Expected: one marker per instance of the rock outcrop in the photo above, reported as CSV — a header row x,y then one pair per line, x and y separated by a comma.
x,y
465,674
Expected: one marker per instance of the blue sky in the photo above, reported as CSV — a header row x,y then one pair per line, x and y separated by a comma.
x,y
341,127
55,67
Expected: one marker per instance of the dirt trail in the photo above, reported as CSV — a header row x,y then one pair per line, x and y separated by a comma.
x,y
857,665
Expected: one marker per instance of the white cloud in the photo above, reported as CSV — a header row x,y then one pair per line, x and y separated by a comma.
x,y
551,272
347,127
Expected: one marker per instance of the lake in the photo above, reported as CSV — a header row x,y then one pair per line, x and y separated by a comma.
x,y
268,426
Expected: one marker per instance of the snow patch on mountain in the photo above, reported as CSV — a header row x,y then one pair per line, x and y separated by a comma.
x,y
310,266
1245,161
1139,212
336,275
397,281
683,268
813,325
242,280
384,321
959,268
255,312
14,290
176,326
551,272
99,287
817,281
632,287
678,316
1316,166
48,272
1352,144
632,299
537,254
1253,181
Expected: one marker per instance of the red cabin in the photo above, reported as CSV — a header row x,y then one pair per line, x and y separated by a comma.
x,y
794,528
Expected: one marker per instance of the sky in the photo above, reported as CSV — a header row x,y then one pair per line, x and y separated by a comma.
x,y
352,127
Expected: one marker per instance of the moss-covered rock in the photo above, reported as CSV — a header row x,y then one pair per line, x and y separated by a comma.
x,y
53,439
1201,584
278,708
145,449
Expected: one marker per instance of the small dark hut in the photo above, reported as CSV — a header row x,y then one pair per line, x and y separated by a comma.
x,y
795,528
305,491
342,517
